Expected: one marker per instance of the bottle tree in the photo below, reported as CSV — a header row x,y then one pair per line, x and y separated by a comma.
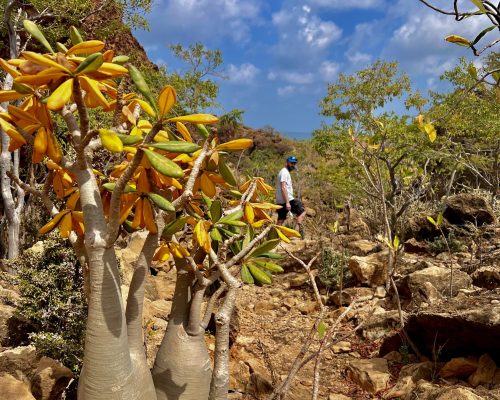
x,y
118,162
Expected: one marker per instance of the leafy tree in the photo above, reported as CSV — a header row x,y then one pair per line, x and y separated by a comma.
x,y
159,179
385,148
196,86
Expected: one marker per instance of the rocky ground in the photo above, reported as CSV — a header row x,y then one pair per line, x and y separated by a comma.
x,y
453,351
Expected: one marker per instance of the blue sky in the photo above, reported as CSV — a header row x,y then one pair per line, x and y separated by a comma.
x,y
279,55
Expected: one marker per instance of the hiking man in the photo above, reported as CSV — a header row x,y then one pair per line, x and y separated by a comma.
x,y
284,195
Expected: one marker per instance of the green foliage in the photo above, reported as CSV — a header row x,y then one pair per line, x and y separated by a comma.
x,y
333,268
52,299
438,245
196,87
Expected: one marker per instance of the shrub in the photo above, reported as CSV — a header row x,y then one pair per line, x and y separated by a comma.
x,y
333,268
52,299
438,245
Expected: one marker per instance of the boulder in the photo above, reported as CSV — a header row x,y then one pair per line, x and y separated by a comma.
x,y
487,277
417,371
484,373
354,223
466,323
370,270
468,207
362,247
457,393
420,228
459,367
19,362
372,375
439,278
6,313
412,245
50,379
303,249
14,389
347,295
380,323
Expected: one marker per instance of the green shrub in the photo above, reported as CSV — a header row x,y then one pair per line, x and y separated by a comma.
x,y
53,300
333,268
438,245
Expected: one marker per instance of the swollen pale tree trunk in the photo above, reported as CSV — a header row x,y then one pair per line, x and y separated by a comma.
x,y
182,369
109,372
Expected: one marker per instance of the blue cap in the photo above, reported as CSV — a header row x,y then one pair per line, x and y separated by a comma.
x,y
292,159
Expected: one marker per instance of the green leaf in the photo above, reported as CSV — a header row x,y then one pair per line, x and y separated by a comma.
x,y
482,33
264,248
272,256
141,84
321,329
216,235
206,200
174,226
176,146
439,220
110,186
216,210
396,242
479,4
34,31
202,130
163,165
161,202
432,221
235,216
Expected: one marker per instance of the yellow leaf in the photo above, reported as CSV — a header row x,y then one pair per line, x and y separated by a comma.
x,y
60,96
111,141
282,236
235,145
66,226
93,90
431,132
146,107
249,214
49,226
8,68
287,231
196,119
42,60
10,95
87,47
184,131
458,40
114,70
166,100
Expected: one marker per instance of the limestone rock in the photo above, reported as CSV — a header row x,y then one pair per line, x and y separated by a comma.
x,y
439,278
412,245
333,396
19,362
484,373
372,375
370,270
298,279
164,283
457,393
459,367
468,207
50,379
6,313
362,247
349,294
401,389
342,347
380,323
418,371
11,388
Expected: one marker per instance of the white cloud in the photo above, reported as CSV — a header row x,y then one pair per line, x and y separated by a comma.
x,y
358,57
201,20
286,90
342,4
244,74
329,70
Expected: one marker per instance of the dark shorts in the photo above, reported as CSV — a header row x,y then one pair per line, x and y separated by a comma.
x,y
297,209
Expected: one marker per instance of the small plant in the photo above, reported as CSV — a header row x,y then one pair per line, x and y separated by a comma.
x,y
52,299
439,244
332,267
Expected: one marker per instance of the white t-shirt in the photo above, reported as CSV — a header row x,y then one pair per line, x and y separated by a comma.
x,y
284,176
